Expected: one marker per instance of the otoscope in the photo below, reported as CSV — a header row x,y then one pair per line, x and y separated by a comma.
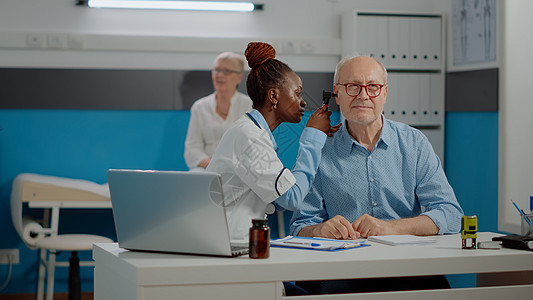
x,y
326,96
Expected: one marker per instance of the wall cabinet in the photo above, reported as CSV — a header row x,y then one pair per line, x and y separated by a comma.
x,y
411,46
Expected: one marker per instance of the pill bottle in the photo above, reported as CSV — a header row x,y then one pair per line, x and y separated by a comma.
x,y
259,239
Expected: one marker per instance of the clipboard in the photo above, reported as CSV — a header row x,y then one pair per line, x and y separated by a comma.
x,y
315,243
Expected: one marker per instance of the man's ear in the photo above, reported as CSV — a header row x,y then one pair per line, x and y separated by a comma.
x,y
385,91
336,92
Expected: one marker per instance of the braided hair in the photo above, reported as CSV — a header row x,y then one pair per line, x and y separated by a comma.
x,y
266,72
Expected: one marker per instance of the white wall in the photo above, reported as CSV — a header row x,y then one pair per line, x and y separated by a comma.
x,y
176,40
516,108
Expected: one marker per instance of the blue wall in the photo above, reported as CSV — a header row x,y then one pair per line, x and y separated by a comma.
x,y
472,164
472,170
79,144
84,144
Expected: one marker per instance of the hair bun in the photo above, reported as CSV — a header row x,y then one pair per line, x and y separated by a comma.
x,y
258,53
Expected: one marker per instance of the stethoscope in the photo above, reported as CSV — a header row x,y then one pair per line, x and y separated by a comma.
x,y
253,119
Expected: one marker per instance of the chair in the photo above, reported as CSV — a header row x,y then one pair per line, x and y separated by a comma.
x,y
53,193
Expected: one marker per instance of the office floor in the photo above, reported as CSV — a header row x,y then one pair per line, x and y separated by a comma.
x,y
57,296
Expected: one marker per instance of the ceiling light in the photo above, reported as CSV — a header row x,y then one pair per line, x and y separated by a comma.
x,y
180,5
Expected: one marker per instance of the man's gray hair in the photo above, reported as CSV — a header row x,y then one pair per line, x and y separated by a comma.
x,y
348,58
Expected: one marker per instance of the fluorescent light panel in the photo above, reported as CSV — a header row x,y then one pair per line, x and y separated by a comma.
x,y
181,5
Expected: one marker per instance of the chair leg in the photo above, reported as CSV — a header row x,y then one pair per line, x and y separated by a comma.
x,y
74,284
41,275
51,275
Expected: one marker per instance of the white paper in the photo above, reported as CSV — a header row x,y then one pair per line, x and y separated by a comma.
x,y
405,239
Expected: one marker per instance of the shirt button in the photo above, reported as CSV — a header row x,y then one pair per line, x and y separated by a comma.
x,y
370,156
374,203
371,179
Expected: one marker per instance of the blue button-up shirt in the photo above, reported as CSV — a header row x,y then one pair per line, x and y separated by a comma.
x,y
402,177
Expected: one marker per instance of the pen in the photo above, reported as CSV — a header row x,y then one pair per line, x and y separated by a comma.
x,y
300,243
521,213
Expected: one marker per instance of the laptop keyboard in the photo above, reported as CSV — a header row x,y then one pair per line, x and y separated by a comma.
x,y
239,250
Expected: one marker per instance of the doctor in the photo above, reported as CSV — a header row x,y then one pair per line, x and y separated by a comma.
x,y
212,115
252,174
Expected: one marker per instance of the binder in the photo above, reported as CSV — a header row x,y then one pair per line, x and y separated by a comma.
x,y
437,94
363,44
410,87
415,41
434,26
398,41
381,38
403,95
390,110
424,95
426,39
372,37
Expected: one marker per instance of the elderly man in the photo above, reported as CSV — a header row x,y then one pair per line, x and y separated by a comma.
x,y
377,176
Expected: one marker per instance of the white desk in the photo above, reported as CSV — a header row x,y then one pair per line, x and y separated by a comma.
x,y
123,274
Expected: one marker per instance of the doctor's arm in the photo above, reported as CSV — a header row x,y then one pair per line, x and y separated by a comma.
x,y
312,141
309,153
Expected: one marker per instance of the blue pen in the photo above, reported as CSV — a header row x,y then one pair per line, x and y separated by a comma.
x,y
300,243
521,213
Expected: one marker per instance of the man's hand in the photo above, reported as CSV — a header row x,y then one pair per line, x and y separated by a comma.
x,y
366,226
335,228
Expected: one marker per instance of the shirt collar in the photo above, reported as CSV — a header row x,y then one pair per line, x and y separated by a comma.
x,y
263,124
348,142
387,133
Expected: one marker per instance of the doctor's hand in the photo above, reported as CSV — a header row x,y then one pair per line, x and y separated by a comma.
x,y
204,163
366,226
320,120
335,228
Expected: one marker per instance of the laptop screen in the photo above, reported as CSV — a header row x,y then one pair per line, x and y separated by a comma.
x,y
169,211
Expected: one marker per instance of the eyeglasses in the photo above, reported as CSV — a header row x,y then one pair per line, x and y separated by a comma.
x,y
354,89
225,71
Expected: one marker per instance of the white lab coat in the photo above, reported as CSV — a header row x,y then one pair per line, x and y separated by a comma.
x,y
252,174
206,127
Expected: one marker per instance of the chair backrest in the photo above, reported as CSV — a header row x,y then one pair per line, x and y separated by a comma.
x,y
35,187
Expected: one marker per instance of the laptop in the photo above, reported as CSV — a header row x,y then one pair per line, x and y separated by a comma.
x,y
171,211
